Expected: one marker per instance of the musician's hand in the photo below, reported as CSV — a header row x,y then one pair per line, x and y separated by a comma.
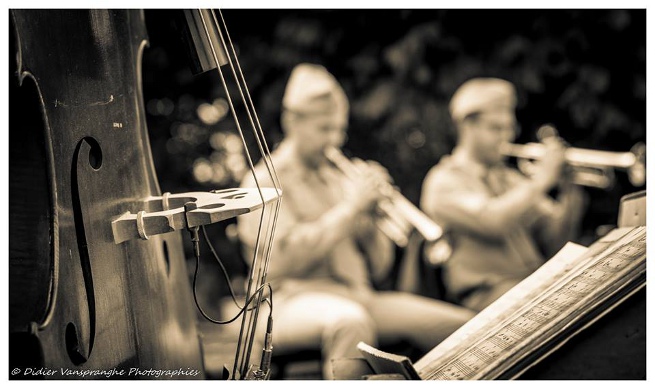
x,y
365,192
379,171
549,168
363,195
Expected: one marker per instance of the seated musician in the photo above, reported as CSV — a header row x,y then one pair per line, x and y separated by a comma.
x,y
327,254
502,224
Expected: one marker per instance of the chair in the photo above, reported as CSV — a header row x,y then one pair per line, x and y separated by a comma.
x,y
416,275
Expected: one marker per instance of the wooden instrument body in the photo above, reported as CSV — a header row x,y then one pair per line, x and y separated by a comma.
x,y
77,299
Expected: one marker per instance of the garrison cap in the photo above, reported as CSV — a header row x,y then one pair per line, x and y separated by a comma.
x,y
311,89
480,95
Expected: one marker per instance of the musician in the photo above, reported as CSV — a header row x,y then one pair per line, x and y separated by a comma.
x,y
327,254
503,225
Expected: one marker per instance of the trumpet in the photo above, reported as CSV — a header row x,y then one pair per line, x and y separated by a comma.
x,y
399,216
592,168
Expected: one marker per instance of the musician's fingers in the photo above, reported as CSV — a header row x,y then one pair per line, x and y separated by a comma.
x,y
359,163
379,171
549,135
379,184
554,141
374,164
555,148
364,193
549,170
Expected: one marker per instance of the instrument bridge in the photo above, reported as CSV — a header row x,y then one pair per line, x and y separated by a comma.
x,y
167,213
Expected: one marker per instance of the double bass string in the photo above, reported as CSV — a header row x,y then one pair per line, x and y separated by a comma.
x,y
247,99
264,150
256,276
241,360
251,165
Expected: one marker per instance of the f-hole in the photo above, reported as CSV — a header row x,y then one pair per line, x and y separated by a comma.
x,y
94,156
73,345
166,257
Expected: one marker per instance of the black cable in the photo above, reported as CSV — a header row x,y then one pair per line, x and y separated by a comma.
x,y
195,298
264,369
220,263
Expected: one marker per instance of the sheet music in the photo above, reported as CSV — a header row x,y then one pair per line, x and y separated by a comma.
x,y
516,297
530,314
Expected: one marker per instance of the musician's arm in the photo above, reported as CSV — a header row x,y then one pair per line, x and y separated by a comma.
x,y
447,199
299,245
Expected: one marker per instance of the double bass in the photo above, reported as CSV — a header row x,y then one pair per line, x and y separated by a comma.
x,y
98,281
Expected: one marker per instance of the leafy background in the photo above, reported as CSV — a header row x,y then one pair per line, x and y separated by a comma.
x,y
583,71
